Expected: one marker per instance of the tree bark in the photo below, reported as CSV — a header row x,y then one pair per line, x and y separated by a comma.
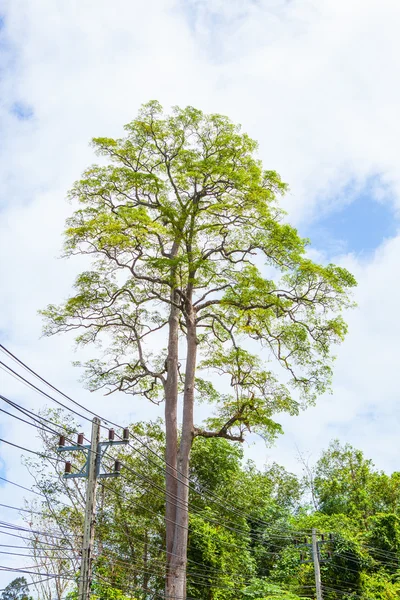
x,y
176,585
171,428
171,418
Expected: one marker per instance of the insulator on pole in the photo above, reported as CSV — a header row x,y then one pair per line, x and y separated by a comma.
x,y
62,441
80,439
117,466
68,467
125,434
111,434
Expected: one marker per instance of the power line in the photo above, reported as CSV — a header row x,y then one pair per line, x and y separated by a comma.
x,y
21,537
46,429
342,592
27,510
41,547
202,515
195,575
40,391
42,495
30,555
23,420
34,491
32,415
35,417
205,573
131,588
206,518
13,527
40,454
28,572
48,578
22,487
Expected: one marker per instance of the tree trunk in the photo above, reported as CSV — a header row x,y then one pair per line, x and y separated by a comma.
x,y
171,417
176,583
171,429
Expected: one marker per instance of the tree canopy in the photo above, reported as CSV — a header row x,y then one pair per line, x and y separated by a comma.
x,y
16,590
185,217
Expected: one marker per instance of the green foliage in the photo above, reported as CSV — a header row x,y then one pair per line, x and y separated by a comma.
x,y
215,463
16,590
377,587
242,530
263,590
384,540
345,482
225,560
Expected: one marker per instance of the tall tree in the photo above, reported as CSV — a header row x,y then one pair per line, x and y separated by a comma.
x,y
192,256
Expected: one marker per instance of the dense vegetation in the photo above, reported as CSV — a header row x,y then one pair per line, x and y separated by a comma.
x,y
247,531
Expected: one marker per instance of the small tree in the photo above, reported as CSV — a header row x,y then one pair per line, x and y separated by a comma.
x,y
192,256
16,590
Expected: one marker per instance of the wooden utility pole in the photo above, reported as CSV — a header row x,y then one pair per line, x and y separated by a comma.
x,y
91,471
85,578
315,553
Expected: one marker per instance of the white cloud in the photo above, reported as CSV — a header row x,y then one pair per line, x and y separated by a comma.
x,y
364,407
315,82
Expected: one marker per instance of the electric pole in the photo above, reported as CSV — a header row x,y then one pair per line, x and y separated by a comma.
x,y
314,549
315,553
91,470
85,578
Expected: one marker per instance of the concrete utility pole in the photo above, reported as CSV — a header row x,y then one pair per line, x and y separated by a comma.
x,y
85,578
91,471
315,553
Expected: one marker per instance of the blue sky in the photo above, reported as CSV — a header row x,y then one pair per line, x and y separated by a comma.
x,y
357,225
22,110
